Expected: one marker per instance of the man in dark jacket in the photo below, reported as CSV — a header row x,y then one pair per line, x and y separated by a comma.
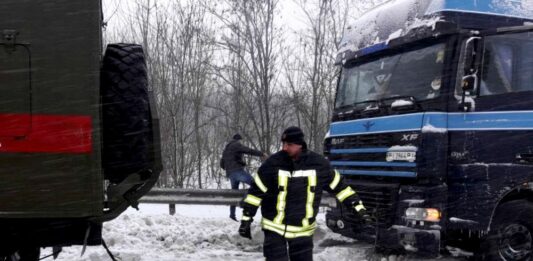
x,y
233,163
288,187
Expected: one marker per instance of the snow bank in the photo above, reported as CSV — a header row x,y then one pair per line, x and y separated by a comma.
x,y
201,233
143,237
197,233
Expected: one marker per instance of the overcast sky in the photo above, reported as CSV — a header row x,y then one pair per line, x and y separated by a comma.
x,y
291,15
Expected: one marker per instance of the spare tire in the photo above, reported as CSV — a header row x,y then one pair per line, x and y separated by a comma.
x,y
126,117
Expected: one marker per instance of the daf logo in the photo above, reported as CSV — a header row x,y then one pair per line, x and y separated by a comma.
x,y
337,141
368,125
409,137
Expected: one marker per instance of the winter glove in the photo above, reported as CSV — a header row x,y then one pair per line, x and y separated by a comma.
x,y
245,229
361,211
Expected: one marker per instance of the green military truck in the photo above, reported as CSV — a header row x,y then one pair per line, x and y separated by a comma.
x,y
79,139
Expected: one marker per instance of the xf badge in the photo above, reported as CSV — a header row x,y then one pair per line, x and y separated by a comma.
x,y
409,137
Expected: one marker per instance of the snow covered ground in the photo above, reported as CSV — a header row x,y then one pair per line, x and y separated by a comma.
x,y
201,233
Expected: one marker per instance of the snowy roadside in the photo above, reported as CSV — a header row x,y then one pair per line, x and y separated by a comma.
x,y
200,233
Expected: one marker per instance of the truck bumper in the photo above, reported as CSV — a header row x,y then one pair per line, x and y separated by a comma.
x,y
396,238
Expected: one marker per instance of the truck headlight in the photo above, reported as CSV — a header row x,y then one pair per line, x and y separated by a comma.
x,y
423,214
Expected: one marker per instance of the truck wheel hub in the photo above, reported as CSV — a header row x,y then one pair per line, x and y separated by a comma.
x,y
516,242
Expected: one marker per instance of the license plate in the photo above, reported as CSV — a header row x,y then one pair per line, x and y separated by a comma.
x,y
409,156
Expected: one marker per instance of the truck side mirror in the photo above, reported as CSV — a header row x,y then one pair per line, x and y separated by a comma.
x,y
470,78
470,55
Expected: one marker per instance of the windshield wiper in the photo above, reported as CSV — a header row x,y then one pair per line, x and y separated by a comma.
x,y
367,101
353,105
402,102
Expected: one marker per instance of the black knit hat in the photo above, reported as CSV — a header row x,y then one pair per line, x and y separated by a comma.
x,y
237,136
293,135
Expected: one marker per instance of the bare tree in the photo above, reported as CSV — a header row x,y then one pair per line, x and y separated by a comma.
x,y
177,40
221,68
309,64
253,43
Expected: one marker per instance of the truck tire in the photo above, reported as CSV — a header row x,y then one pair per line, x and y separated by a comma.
x,y
511,235
126,117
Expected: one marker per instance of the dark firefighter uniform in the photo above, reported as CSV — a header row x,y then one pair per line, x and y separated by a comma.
x,y
289,193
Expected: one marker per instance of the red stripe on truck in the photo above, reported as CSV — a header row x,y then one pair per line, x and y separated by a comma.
x,y
70,134
14,125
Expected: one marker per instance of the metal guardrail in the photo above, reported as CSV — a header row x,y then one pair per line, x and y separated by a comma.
x,y
194,196
226,197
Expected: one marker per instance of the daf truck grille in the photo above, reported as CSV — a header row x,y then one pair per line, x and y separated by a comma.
x,y
379,200
360,141
366,155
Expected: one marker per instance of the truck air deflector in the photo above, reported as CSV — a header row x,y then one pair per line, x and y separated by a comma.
x,y
493,7
374,49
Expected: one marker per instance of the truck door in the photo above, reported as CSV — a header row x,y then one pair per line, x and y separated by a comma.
x,y
499,120
491,131
15,89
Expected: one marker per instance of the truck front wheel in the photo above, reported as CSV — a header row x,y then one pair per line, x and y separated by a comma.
x,y
511,235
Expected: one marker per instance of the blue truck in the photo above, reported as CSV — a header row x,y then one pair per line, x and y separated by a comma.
x,y
433,127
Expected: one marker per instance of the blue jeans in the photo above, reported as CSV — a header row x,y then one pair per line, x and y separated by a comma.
x,y
235,178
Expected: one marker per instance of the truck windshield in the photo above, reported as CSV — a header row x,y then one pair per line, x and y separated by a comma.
x,y
415,74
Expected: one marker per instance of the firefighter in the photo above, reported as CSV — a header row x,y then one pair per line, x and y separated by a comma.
x,y
288,186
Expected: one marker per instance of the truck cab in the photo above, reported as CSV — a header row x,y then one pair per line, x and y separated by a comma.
x,y
433,127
